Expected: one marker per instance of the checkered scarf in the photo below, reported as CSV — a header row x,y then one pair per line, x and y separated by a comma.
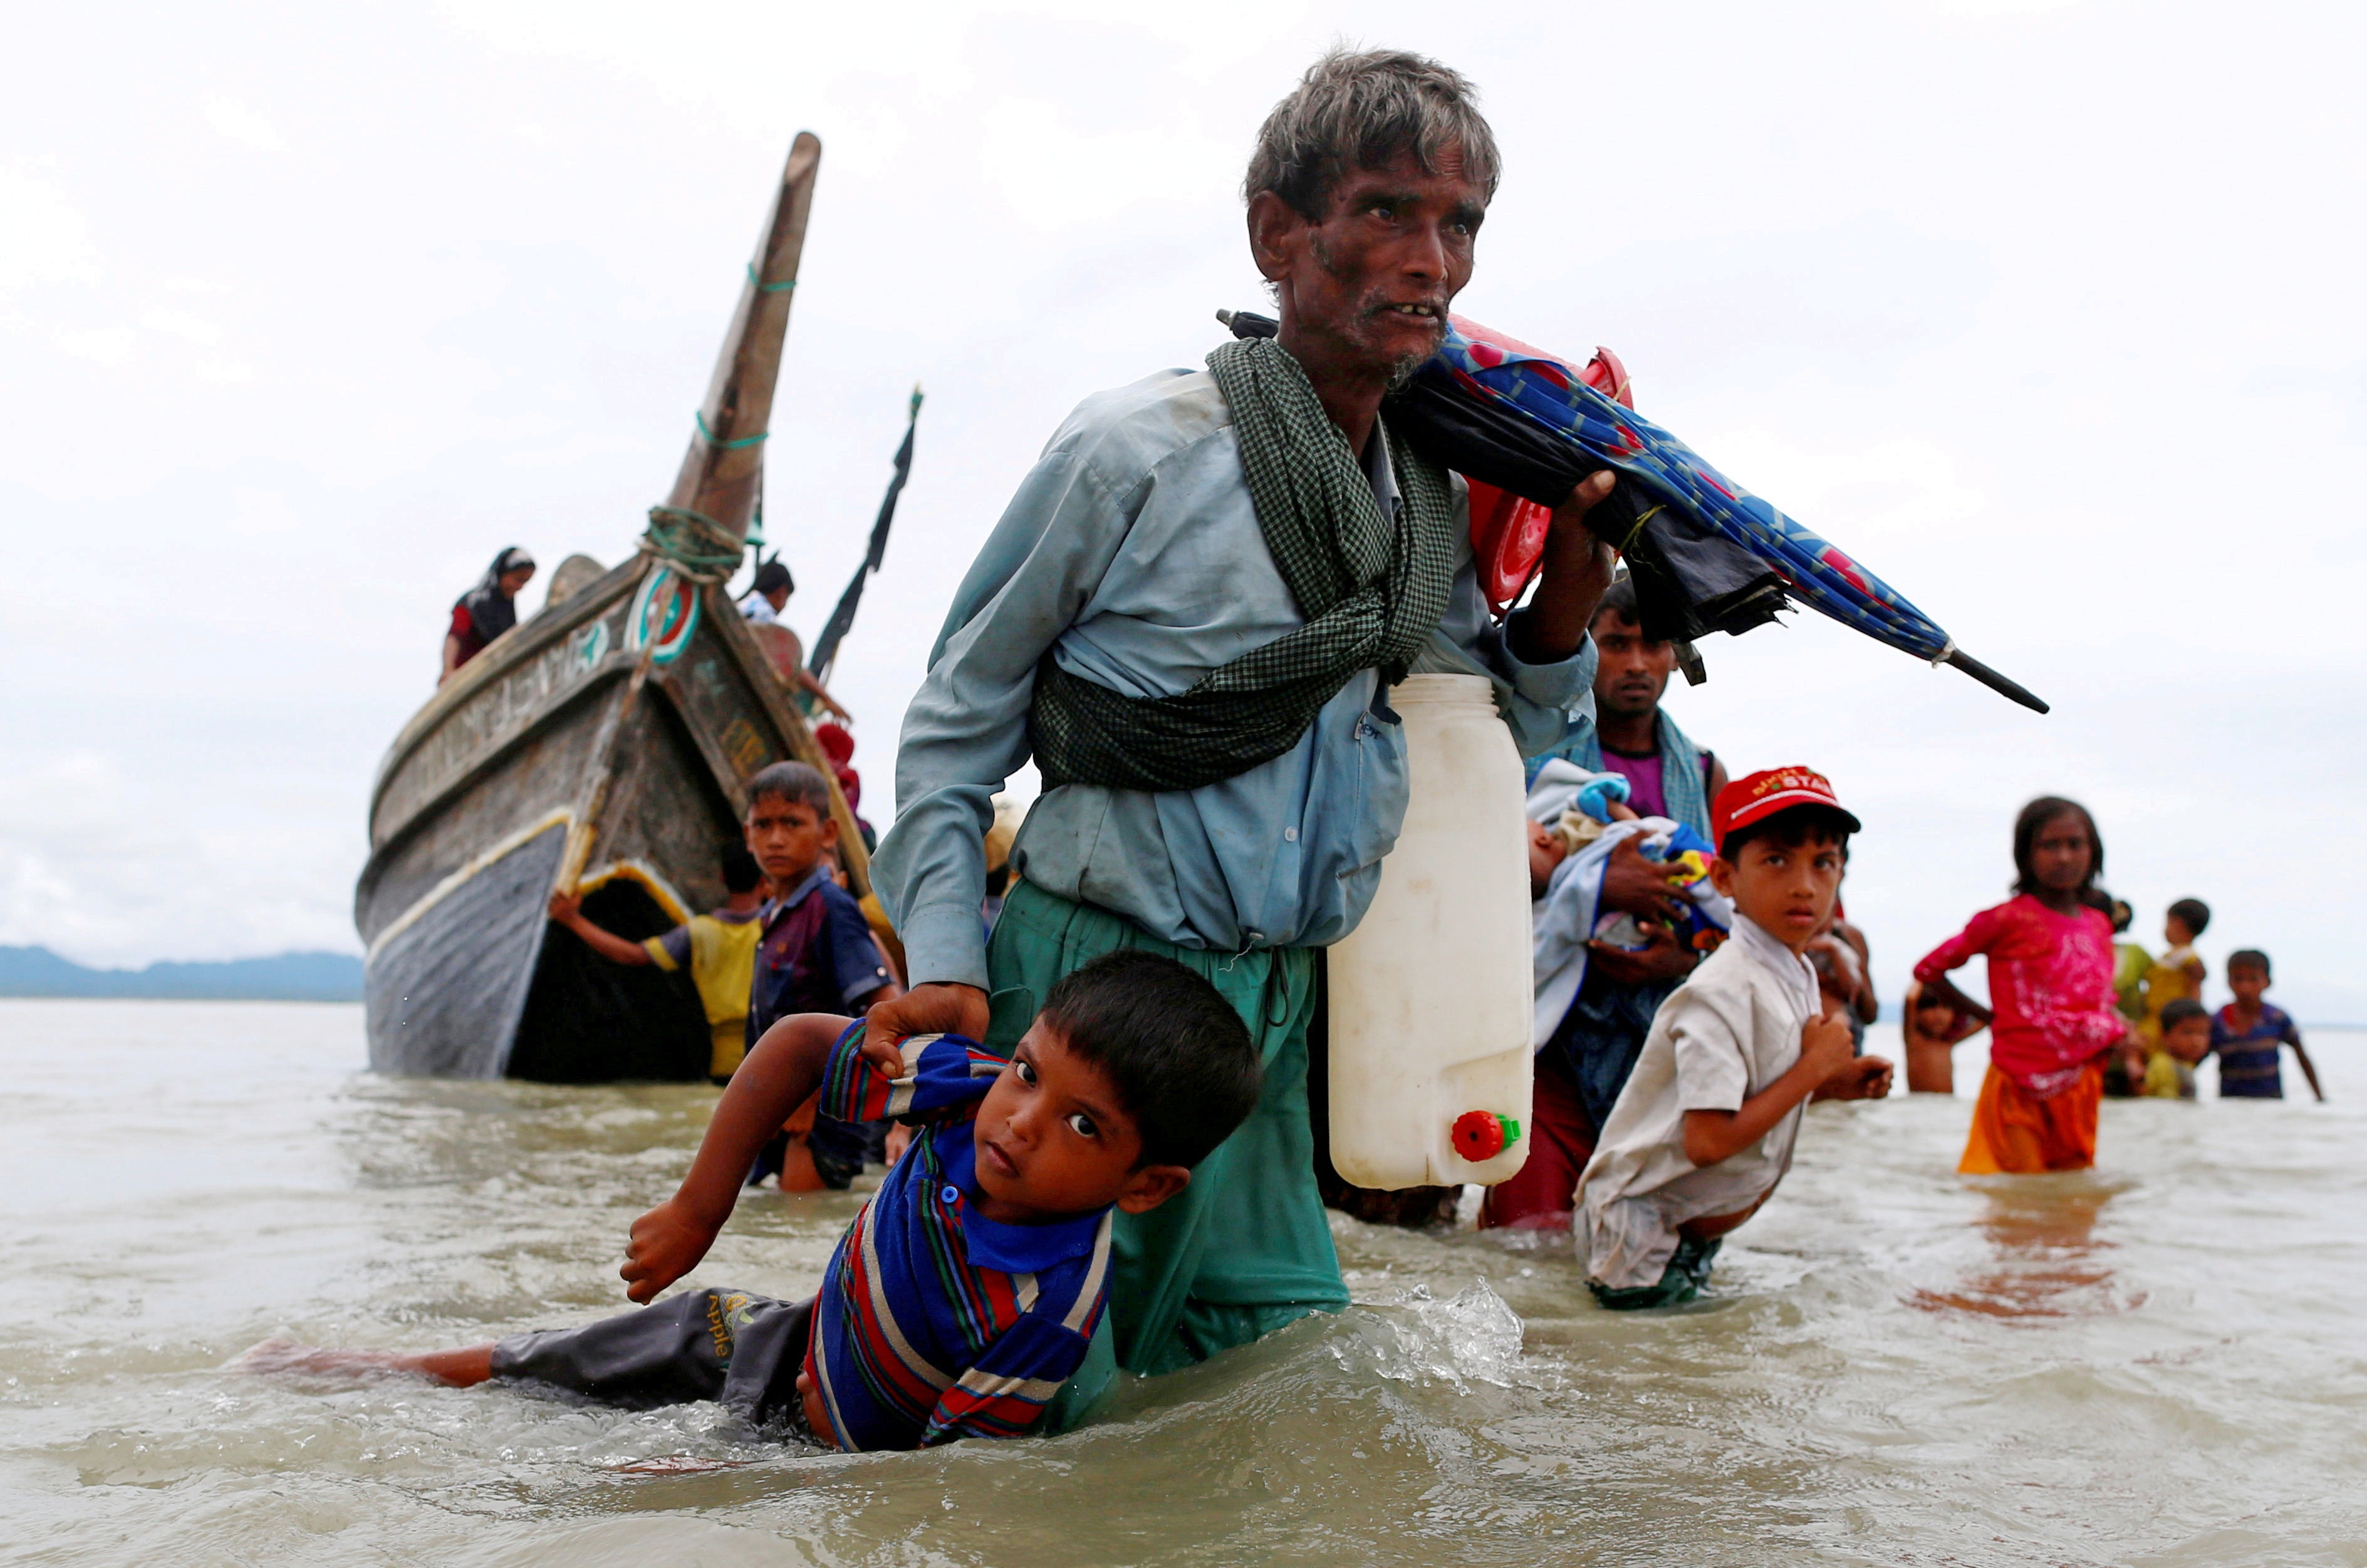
x,y
1372,589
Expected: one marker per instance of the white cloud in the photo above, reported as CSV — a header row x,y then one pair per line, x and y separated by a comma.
x,y
243,124
43,238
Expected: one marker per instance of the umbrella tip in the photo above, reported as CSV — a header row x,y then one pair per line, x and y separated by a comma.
x,y
1995,682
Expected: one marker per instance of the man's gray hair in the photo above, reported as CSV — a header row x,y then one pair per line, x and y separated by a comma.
x,y
1359,109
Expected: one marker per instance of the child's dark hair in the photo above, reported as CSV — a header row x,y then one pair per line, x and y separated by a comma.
x,y
1178,1054
2123,916
2250,958
1791,827
2032,823
2194,913
796,782
2179,1012
741,872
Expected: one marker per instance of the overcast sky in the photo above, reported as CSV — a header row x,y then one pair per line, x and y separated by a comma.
x,y
2049,313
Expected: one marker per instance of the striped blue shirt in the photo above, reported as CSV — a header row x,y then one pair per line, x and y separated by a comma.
x,y
934,1322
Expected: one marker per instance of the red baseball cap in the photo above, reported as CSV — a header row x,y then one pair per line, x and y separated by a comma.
x,y
1757,796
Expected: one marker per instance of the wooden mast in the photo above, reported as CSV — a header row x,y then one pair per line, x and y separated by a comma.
x,y
723,471
716,494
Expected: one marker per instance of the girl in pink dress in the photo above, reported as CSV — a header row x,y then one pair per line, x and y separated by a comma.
x,y
2050,953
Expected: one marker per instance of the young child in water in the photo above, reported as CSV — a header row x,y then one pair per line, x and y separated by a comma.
x,y
966,1290
2050,953
2184,1039
2247,1032
1704,1130
2177,975
1932,1027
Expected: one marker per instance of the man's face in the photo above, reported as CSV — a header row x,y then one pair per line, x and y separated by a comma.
x,y
1369,284
778,598
1631,672
1052,1138
786,837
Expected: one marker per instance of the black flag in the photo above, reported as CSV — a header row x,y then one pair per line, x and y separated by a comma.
x,y
843,618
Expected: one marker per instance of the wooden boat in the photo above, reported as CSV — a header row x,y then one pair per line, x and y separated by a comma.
x,y
603,744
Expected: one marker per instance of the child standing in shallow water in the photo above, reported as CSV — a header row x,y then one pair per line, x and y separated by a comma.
x,y
2249,1033
2050,953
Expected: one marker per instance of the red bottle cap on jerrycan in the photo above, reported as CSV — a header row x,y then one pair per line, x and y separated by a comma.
x,y
1482,1135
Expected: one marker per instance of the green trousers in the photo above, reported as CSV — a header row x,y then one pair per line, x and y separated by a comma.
x,y
1246,1247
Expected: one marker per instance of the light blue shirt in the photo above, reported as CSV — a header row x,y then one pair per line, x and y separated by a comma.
x,y
1132,552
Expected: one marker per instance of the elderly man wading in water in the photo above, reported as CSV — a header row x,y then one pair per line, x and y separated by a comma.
x,y
1190,615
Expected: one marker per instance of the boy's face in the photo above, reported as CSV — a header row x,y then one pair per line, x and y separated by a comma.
x,y
2175,931
2188,1039
786,838
2247,982
1934,1018
1787,890
1053,1138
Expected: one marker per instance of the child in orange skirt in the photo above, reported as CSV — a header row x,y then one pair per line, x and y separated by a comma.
x,y
2051,962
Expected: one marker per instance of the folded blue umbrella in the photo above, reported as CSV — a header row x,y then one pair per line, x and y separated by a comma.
x,y
1706,555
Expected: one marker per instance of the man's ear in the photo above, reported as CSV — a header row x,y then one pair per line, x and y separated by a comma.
x,y
1151,1185
1277,230
1721,876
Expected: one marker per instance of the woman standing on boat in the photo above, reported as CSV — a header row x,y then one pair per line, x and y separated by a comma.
x,y
486,610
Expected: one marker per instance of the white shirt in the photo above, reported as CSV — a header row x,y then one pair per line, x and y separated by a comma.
x,y
758,608
1730,1031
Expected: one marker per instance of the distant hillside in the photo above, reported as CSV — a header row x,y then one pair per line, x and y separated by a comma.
x,y
289,977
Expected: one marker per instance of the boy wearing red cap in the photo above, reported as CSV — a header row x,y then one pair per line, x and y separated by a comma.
x,y
1704,1130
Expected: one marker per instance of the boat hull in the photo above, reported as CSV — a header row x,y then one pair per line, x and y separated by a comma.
x,y
606,745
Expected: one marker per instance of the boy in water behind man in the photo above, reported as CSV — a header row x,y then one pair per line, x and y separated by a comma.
x,y
1704,1130
966,1290
815,954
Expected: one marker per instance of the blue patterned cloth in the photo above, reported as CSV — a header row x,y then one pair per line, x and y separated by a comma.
x,y
1818,575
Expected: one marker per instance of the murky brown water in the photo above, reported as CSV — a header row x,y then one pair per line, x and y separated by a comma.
x,y
2162,1362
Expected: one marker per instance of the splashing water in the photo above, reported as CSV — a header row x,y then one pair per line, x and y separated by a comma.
x,y
2159,1361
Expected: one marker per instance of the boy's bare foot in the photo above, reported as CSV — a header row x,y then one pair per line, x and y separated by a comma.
x,y
460,1369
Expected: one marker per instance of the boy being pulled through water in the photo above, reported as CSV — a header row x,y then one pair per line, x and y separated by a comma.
x,y
966,1290
1704,1130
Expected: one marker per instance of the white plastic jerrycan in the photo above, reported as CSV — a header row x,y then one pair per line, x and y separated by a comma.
x,y
1431,996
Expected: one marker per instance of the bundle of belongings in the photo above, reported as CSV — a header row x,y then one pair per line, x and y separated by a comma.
x,y
1706,555
1585,815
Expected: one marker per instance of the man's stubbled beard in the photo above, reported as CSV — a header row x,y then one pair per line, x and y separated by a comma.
x,y
1375,301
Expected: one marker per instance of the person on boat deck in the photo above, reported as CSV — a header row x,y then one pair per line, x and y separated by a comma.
x,y
1190,615
762,605
486,610
814,953
718,948
1584,1065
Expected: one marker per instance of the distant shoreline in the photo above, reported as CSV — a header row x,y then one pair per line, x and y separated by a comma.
x,y
36,974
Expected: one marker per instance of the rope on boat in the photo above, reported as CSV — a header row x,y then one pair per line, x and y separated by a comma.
x,y
765,287
692,543
700,416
